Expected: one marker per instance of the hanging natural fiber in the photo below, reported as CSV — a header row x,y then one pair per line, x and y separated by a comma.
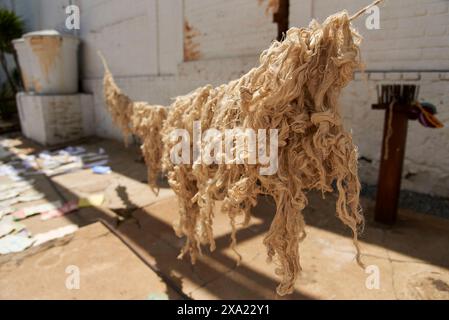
x,y
295,89
139,118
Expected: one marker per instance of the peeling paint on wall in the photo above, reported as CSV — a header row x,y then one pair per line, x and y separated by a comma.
x,y
272,6
191,48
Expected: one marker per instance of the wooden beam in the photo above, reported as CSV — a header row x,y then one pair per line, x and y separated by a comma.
x,y
281,17
390,173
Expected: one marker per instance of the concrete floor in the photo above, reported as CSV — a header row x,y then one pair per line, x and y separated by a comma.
x,y
135,257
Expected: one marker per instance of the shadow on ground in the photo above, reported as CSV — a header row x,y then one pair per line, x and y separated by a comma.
x,y
153,239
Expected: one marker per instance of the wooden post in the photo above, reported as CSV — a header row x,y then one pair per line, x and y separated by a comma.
x,y
397,101
390,173
281,17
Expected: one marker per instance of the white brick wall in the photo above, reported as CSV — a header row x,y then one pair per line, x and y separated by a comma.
x,y
52,14
143,42
414,34
124,33
161,90
427,151
229,28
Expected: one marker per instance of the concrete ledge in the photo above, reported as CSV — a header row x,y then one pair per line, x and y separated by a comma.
x,y
56,119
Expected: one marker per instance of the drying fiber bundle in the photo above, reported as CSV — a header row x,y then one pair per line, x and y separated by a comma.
x,y
295,89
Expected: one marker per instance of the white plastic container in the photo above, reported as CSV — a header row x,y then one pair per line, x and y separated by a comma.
x,y
24,56
53,61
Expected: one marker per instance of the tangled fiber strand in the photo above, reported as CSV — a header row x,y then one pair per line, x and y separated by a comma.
x,y
140,119
294,90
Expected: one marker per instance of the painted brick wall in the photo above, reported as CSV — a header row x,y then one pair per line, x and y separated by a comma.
x,y
426,167
123,33
144,45
161,89
147,33
414,34
229,28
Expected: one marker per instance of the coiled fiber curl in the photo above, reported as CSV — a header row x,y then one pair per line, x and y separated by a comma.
x,y
295,89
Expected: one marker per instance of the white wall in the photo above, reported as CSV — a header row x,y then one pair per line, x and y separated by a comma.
x,y
414,34
144,42
426,167
126,34
29,10
229,28
52,14
23,9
